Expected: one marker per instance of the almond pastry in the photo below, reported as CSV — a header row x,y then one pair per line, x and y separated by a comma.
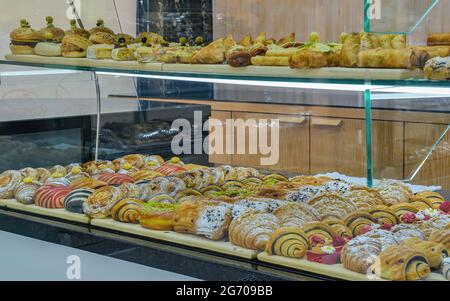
x,y
258,204
386,238
331,205
364,198
296,214
288,242
393,192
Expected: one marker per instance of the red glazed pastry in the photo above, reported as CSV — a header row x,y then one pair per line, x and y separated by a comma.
x,y
51,196
409,218
115,178
170,169
445,207
324,254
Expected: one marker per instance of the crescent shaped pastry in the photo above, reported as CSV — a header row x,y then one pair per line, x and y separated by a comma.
x,y
357,221
404,231
332,205
288,242
364,198
319,230
99,203
51,196
384,215
441,236
9,180
339,228
296,214
127,210
26,191
434,252
433,198
402,209
360,254
75,200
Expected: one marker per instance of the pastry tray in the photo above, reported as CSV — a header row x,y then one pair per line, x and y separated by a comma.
x,y
57,213
336,271
178,238
3,203
260,71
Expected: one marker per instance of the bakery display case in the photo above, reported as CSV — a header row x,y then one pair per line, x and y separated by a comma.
x,y
232,140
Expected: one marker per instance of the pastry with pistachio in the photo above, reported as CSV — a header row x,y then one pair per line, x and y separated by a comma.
x,y
158,216
24,39
74,30
57,34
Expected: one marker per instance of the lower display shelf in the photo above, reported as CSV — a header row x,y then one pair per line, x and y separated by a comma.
x,y
57,213
182,239
336,271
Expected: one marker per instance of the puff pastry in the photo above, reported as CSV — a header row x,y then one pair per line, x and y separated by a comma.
x,y
384,215
99,204
434,252
360,254
25,192
9,180
441,236
51,196
296,214
406,231
127,210
357,221
214,53
332,205
75,200
288,242
318,230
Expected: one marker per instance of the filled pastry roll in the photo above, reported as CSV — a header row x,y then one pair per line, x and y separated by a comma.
x,y
392,58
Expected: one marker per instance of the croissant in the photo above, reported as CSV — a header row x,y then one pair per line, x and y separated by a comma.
x,y
441,236
318,230
9,180
288,242
127,210
203,219
99,204
296,214
364,198
214,53
402,209
360,254
339,228
74,201
402,263
253,230
384,215
356,222
386,238
434,252
332,205
26,191
405,231
394,192
435,198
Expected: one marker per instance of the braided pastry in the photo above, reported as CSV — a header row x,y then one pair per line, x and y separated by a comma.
x,y
402,209
364,198
360,254
115,178
339,228
446,268
210,221
26,191
434,252
74,201
441,236
127,210
331,205
404,231
318,230
357,221
9,180
384,215
51,196
433,197
402,263
253,230
296,214
99,204
288,242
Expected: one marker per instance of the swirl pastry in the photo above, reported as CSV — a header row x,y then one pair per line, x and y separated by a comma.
x,y
446,268
59,170
402,263
158,216
296,214
167,185
127,210
99,204
51,196
364,198
402,209
57,179
360,254
256,204
210,221
153,162
98,167
420,204
162,198
331,205
75,200
252,183
405,231
434,252
384,215
357,221
386,238
253,230
441,236
9,180
434,198
310,180
187,193
319,230
135,160
87,183
339,228
288,242
75,171
26,191
115,178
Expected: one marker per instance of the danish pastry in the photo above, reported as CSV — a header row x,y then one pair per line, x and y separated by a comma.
x,y
331,205
158,216
384,215
386,238
357,221
253,230
75,200
441,236
393,192
256,204
304,194
402,263
153,162
364,198
9,180
26,191
404,231
51,196
58,179
210,221
402,209
434,252
288,242
296,214
99,203
29,173
435,198
170,169
318,230
145,174
360,254
339,228
43,174
130,190
136,160
127,210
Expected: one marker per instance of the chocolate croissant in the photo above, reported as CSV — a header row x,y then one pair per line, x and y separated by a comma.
x,y
434,252
127,210
319,230
441,236
384,215
357,221
288,242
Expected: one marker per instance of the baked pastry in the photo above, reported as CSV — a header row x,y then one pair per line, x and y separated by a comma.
x,y
48,48
51,196
238,57
151,39
402,263
350,49
436,222
210,221
162,198
318,232
158,216
408,58
384,215
296,214
74,30
332,205
360,254
406,231
74,201
127,210
434,51
125,39
148,54
316,57
288,242
99,203
394,192
358,221
214,53
403,208
441,236
253,230
434,252
101,28
386,238
57,34
87,183
270,61
287,40
441,38
123,54
433,198
339,228
446,268
100,51
165,185
9,180
278,51
145,174
74,46
42,175
257,49
24,39
115,178
169,169
305,193
246,41
25,191
257,204
437,68
130,190
364,198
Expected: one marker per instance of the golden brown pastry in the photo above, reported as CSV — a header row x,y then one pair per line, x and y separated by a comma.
x,y
434,252
402,209
318,230
364,198
257,49
339,228
74,46
436,39
74,30
402,263
99,204
360,254
57,34
87,183
229,43
358,221
386,238
350,50
25,191
384,215
101,28
9,180
158,216
210,221
270,60
151,39
441,236
394,192
253,230
392,58
127,210
433,198
434,51
332,205
287,40
24,39
405,231
261,38
238,57
246,41
314,58
398,41
288,242
214,53
296,214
